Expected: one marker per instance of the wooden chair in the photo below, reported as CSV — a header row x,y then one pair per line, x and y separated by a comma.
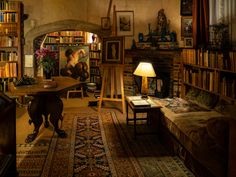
x,y
77,90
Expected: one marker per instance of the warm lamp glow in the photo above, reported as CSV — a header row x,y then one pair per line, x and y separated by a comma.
x,y
145,70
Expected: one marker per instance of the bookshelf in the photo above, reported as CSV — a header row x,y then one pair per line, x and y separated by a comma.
x,y
212,71
11,32
95,61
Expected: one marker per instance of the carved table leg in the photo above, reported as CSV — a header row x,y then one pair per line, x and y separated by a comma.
x,y
45,105
35,113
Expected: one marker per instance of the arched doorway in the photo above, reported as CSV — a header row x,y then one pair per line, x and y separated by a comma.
x,y
31,35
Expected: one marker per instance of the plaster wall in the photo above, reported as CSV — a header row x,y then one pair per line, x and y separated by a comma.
x,y
46,13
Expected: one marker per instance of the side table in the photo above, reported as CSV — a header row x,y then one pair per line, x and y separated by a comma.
x,y
149,109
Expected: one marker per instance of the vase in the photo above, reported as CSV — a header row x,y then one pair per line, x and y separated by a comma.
x,y
48,74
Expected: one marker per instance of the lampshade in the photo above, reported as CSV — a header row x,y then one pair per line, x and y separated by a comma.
x,y
145,69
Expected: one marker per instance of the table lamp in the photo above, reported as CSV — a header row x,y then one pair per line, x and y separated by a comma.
x,y
145,70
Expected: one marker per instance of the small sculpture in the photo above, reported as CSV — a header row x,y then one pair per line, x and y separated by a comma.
x,y
162,24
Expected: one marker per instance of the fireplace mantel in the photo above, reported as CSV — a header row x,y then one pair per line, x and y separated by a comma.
x,y
148,53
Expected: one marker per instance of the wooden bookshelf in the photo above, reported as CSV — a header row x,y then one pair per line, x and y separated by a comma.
x,y
95,61
211,71
11,32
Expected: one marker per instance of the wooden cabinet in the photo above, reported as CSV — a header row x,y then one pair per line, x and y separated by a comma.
x,y
210,71
11,32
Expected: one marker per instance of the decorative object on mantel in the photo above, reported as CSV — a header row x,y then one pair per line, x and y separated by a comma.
x,y
46,59
161,37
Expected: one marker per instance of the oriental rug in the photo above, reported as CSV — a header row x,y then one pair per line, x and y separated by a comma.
x,y
101,145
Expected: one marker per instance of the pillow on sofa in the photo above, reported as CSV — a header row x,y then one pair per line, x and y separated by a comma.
x,y
192,94
207,100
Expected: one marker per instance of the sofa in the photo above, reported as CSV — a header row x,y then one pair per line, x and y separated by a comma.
x,y
200,130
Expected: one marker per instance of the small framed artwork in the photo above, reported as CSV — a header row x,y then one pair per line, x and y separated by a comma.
x,y
125,23
188,42
186,26
186,7
113,50
105,23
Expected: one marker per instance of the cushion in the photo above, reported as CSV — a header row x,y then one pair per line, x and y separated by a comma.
x,y
206,100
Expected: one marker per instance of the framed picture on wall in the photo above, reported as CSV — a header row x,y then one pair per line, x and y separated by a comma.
x,y
186,26
113,50
125,23
105,23
188,42
186,7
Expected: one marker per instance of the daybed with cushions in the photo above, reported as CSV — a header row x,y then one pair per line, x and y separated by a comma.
x,y
198,134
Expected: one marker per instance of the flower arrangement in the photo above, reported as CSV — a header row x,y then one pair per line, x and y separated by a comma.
x,y
45,58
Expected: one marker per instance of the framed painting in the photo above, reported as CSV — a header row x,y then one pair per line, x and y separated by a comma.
x,y
113,50
188,42
125,23
105,23
186,7
186,26
83,55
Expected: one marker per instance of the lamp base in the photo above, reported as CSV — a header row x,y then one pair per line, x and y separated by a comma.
x,y
144,96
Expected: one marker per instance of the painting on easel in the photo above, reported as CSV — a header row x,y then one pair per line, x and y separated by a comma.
x,y
113,50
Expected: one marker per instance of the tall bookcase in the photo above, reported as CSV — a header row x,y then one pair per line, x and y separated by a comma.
x,y
95,61
11,31
212,71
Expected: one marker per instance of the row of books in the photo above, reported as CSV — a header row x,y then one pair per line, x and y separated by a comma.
x,y
94,55
8,5
8,70
94,71
94,62
8,56
202,78
212,59
8,29
228,87
95,46
6,41
71,39
95,79
8,17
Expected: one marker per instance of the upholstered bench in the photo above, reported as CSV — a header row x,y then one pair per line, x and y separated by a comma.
x,y
199,135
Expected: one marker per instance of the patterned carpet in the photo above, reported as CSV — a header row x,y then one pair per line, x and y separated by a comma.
x,y
98,145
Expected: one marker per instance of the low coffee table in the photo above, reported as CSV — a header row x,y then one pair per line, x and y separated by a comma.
x,y
152,109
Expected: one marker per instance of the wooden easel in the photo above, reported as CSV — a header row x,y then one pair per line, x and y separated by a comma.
x,y
112,75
